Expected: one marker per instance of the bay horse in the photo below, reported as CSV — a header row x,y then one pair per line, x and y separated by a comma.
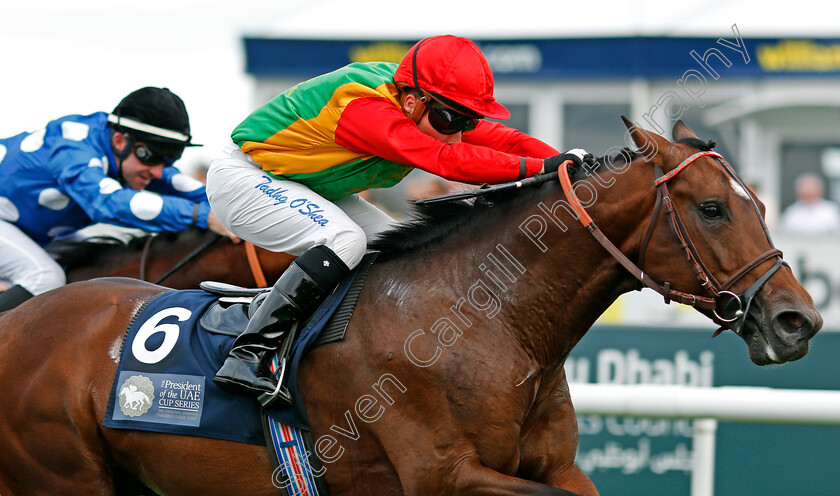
x,y
153,257
450,379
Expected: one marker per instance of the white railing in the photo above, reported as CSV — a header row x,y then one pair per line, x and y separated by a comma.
x,y
707,406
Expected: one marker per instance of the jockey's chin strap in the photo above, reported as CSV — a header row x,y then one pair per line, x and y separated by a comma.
x,y
729,309
123,154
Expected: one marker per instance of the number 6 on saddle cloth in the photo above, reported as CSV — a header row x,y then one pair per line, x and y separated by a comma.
x,y
178,339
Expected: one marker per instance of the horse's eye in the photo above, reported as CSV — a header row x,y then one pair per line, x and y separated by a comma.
x,y
711,210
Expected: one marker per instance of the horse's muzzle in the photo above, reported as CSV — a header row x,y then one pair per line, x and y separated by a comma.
x,y
786,337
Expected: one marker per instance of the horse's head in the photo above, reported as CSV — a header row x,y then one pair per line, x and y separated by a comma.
x,y
710,240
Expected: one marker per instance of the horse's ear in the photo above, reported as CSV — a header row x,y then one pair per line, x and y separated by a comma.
x,y
682,131
653,146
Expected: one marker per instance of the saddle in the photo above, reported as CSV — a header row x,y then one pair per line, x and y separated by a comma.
x,y
235,306
230,314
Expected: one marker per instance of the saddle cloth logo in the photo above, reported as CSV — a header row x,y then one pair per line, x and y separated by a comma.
x,y
178,400
136,395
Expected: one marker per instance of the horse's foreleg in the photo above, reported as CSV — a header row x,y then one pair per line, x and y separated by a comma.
x,y
474,478
550,440
464,474
573,479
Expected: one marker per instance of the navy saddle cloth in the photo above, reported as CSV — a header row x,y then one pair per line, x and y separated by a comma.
x,y
164,382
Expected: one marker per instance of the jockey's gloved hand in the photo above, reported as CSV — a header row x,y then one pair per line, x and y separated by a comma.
x,y
577,155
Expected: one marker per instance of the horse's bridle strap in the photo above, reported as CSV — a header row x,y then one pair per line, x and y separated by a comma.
x,y
190,257
703,274
720,294
250,251
584,218
685,163
768,255
668,293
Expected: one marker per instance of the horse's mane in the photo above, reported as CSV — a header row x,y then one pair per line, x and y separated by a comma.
x,y
430,222
624,156
703,146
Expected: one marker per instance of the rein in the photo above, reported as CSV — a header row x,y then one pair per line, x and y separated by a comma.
x,y
663,289
190,257
254,263
729,309
144,256
250,251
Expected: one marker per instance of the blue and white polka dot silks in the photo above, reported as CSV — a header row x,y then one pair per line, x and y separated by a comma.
x,y
64,177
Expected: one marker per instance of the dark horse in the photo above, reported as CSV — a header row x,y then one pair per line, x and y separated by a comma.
x,y
450,379
153,257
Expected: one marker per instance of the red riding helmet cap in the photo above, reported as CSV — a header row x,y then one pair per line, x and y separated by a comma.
x,y
454,68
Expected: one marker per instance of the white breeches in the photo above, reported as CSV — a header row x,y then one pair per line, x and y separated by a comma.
x,y
285,216
25,263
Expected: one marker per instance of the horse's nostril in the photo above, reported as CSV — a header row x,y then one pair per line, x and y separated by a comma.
x,y
793,324
794,319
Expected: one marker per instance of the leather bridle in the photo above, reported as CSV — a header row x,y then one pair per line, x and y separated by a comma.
x,y
728,308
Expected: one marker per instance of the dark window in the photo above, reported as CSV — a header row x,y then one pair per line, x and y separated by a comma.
x,y
594,127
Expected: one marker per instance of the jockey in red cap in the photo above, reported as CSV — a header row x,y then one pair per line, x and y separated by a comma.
x,y
455,70
289,181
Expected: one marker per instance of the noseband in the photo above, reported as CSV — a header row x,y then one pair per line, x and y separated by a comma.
x,y
728,308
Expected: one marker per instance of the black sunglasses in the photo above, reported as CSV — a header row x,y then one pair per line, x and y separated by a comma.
x,y
447,121
147,156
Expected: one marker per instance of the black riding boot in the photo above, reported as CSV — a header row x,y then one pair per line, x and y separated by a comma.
x,y
293,299
13,297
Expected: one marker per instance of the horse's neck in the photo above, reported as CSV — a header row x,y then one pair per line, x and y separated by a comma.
x,y
578,278
575,280
566,288
548,290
